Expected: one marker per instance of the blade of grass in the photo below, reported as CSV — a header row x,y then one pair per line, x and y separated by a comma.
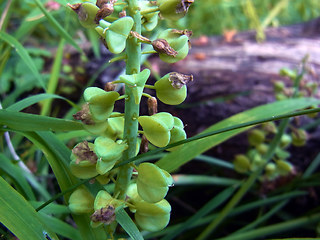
x,y
54,78
13,42
126,222
57,26
207,208
215,161
27,122
19,216
312,167
180,180
276,228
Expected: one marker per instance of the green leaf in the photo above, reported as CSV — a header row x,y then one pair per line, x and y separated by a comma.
x,y
17,176
190,150
181,179
128,225
31,122
57,26
24,55
24,103
19,216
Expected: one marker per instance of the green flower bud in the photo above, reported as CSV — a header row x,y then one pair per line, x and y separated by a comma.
x,y
174,9
171,89
157,128
271,171
108,152
282,154
285,140
262,148
255,159
256,137
177,134
179,44
278,86
241,163
116,33
83,161
152,216
284,167
81,201
286,72
101,103
299,137
153,182
136,82
281,96
269,127
86,13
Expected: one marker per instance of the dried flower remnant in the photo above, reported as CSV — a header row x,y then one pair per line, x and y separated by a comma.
x,y
106,9
152,105
183,6
105,215
84,115
162,46
83,153
178,80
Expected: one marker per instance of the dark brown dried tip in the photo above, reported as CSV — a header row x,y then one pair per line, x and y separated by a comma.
x,y
183,6
162,46
109,87
105,11
186,32
122,14
178,80
106,215
74,7
144,145
84,153
152,106
140,37
84,115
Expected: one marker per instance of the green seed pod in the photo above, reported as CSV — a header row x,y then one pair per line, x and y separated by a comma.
x,y
136,82
115,127
288,73
255,159
86,13
284,167
256,137
177,134
285,140
81,201
299,137
104,199
117,33
97,127
278,86
101,103
171,89
153,182
280,96
282,154
262,148
174,9
269,127
149,20
157,128
241,163
108,152
152,216
83,161
179,43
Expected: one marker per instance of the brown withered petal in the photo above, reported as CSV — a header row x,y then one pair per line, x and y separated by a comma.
x,y
105,11
183,6
152,106
84,153
122,14
144,145
109,87
178,80
84,115
140,37
106,215
75,7
162,46
186,32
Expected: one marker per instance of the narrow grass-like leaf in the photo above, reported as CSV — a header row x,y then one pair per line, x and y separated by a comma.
x,y
60,227
207,208
24,56
190,150
52,208
19,216
275,228
57,26
58,156
215,161
126,222
31,122
16,174
24,103
181,179
54,78
312,167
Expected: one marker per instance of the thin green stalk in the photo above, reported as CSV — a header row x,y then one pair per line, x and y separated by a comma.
x,y
133,51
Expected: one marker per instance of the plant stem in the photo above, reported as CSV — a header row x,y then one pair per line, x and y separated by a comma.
x,y
133,52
